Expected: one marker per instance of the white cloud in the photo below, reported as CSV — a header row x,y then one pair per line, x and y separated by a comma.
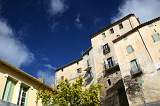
x,y
144,9
47,75
12,49
57,7
78,22
49,66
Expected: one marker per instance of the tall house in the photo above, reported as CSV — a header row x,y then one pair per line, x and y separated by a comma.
x,y
139,60
103,49
125,58
101,55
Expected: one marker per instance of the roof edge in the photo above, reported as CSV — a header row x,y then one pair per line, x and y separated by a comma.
x,y
135,29
75,61
111,25
70,63
23,73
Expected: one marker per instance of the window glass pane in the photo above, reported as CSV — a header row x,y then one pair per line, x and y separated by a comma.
x,y
22,96
134,65
7,96
120,26
130,49
156,37
111,30
110,62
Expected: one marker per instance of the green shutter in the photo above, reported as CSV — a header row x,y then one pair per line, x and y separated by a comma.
x,y
26,101
8,93
7,90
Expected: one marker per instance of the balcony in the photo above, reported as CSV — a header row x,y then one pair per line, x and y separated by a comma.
x,y
136,71
110,69
88,76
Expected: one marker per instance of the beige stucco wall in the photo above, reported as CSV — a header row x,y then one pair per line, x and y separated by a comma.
x,y
150,76
96,56
33,86
70,72
100,40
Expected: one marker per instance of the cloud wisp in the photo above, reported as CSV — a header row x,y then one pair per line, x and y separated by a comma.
x,y
48,76
49,66
12,49
57,7
144,9
78,22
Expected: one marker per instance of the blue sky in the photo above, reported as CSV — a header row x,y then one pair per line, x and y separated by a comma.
x,y
40,35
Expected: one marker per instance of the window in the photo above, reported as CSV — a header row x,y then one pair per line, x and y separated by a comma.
x,y
130,49
9,88
111,30
120,26
62,77
118,35
134,67
88,64
106,49
79,70
156,37
110,62
22,98
104,35
109,82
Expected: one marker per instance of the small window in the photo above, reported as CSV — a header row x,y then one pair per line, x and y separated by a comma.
x,y
156,37
104,35
88,63
130,49
111,30
79,70
118,35
120,26
109,82
106,49
110,62
135,68
62,77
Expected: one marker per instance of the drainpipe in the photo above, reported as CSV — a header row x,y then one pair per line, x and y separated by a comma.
x,y
145,45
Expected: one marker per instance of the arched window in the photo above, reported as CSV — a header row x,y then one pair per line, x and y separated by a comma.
x,y
130,49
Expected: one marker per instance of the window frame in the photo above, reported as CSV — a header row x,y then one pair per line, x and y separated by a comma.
x,y
156,38
129,49
9,89
110,60
136,70
106,48
23,95
121,26
79,70
111,30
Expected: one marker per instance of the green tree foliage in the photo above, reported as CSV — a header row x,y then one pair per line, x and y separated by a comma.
x,y
70,94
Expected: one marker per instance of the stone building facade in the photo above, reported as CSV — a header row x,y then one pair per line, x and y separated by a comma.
x,y
124,56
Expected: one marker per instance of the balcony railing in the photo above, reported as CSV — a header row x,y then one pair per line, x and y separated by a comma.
x,y
88,76
136,71
110,69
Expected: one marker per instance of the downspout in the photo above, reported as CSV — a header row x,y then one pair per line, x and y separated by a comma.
x,y
142,41
145,45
